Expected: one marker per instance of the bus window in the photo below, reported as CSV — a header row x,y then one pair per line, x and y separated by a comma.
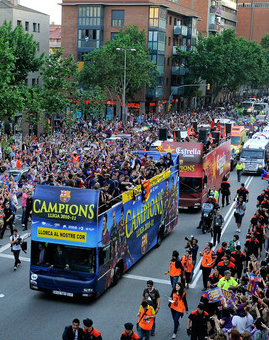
x,y
235,140
191,185
63,257
104,254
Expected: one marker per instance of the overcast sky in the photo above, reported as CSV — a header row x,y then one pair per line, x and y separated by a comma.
x,y
50,7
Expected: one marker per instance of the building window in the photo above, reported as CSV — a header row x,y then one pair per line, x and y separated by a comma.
x,y
26,25
175,21
33,81
113,35
37,81
117,18
169,41
38,28
170,20
154,16
34,26
89,15
89,38
18,22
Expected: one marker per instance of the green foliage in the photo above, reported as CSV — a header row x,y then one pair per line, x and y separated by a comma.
x,y
227,62
92,102
33,107
265,41
24,50
59,82
105,67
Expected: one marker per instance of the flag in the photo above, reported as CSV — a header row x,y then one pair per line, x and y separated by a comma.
x,y
189,131
214,295
224,132
210,138
252,287
175,137
265,175
145,190
159,148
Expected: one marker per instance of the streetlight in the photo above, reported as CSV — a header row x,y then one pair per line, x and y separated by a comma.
x,y
124,78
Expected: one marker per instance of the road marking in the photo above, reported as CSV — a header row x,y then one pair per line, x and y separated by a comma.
x,y
5,247
26,259
197,271
146,278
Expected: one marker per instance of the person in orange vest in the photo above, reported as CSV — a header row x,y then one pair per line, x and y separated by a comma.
x,y
176,269
186,261
129,334
208,261
89,331
146,316
178,305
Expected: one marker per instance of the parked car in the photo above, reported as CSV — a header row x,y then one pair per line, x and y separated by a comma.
x,y
20,176
261,109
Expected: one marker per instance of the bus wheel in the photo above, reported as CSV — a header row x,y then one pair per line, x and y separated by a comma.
x,y
117,275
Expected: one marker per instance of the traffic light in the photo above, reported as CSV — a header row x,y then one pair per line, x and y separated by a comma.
x,y
208,86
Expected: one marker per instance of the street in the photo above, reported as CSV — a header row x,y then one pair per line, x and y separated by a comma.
x,y
27,315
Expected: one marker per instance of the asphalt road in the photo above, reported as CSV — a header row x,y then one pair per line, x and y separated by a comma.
x,y
30,315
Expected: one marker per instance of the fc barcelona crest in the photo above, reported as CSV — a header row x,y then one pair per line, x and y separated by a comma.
x,y
65,196
144,244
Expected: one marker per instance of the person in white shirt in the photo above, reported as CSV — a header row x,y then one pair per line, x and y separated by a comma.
x,y
239,322
16,242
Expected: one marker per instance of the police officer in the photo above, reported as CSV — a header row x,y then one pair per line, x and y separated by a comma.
x,y
199,319
239,169
90,332
225,191
129,334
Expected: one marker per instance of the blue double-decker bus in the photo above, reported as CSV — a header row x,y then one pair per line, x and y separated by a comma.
x,y
80,249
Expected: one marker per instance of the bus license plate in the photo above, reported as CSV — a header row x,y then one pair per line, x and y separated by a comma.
x,y
58,292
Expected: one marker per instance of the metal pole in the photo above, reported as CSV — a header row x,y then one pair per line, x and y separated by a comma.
x,y
124,89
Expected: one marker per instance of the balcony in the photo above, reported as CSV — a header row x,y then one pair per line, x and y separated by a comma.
x,y
180,30
154,93
182,48
215,10
192,32
177,91
178,71
214,27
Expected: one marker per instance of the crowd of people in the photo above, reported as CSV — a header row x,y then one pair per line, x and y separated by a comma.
x,y
86,157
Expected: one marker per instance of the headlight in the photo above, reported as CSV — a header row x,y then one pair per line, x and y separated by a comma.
x,y
249,110
260,165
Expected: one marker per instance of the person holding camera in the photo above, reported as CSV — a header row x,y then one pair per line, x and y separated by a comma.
x,y
15,243
240,207
192,246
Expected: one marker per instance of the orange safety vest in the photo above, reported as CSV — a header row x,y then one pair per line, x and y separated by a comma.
x,y
178,303
207,259
133,336
173,271
146,324
186,264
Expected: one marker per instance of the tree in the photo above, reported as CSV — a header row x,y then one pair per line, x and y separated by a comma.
x,y
91,102
105,66
226,62
265,41
59,83
24,49
33,110
11,96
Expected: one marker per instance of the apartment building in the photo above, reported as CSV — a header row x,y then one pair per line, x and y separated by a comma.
x,y
86,25
253,21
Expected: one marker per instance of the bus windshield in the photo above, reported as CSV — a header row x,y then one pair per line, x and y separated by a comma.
x,y
246,105
257,154
191,185
63,257
235,140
